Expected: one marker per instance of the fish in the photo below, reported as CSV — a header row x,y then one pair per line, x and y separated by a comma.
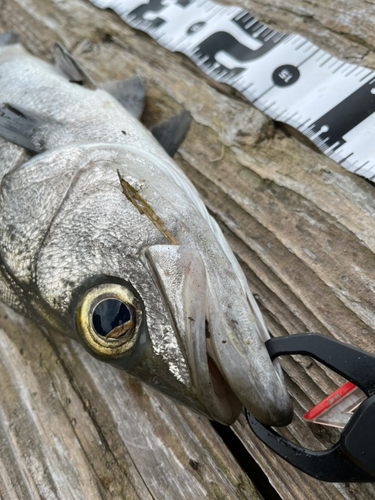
x,y
104,239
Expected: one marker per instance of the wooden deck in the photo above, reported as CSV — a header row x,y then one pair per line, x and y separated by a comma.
x,y
302,227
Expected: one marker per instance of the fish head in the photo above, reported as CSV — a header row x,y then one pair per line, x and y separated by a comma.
x,y
94,266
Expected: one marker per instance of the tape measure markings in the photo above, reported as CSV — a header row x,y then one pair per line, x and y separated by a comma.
x,y
286,76
306,94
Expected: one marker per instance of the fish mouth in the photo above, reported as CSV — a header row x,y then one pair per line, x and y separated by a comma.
x,y
218,396
223,379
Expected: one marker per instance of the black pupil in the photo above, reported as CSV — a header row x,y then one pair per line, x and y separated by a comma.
x,y
109,314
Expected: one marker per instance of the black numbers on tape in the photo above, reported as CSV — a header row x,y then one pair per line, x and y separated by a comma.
x,y
226,52
332,127
285,75
153,6
222,41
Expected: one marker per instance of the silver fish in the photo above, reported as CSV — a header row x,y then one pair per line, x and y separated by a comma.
x,y
104,239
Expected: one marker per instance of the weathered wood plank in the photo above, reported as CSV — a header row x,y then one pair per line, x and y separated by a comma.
x,y
72,427
302,227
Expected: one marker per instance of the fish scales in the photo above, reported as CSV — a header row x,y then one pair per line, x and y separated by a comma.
x,y
76,255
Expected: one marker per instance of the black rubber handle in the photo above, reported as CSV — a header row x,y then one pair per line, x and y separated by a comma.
x,y
352,363
330,465
352,459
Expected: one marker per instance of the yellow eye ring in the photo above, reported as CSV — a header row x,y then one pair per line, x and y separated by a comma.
x,y
105,346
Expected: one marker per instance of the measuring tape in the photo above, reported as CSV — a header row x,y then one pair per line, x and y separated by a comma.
x,y
286,76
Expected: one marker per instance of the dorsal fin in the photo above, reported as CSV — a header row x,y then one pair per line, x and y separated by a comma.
x,y
9,38
24,128
130,93
66,63
171,132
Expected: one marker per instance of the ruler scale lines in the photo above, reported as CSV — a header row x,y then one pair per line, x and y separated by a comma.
x,y
291,79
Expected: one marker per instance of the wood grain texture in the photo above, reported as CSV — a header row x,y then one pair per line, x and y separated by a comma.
x,y
302,227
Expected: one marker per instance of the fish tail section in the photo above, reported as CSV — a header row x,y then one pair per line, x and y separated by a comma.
x,y
10,38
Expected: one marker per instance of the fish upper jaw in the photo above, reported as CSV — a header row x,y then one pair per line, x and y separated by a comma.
x,y
225,375
179,272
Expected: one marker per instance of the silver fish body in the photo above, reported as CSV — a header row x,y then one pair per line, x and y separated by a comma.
x,y
70,240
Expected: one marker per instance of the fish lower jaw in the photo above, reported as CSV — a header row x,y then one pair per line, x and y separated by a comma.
x,y
270,406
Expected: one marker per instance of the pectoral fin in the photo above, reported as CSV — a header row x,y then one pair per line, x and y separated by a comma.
x,y
24,128
66,63
172,131
130,93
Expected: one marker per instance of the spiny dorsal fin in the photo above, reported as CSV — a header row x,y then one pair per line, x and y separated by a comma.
x,y
9,38
24,128
66,63
171,132
130,93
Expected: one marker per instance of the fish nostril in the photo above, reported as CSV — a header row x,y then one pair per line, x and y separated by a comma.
x,y
111,316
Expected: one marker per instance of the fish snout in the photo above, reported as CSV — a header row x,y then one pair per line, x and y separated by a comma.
x,y
228,361
236,342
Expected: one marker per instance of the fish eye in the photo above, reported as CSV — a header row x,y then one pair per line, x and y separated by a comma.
x,y
108,319
112,318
